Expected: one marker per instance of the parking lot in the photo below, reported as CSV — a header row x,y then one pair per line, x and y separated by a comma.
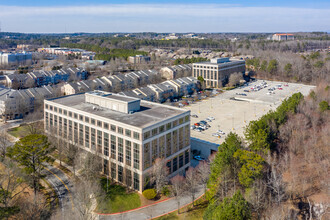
x,y
234,109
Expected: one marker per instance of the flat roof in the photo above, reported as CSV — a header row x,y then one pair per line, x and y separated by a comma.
x,y
113,96
221,64
150,113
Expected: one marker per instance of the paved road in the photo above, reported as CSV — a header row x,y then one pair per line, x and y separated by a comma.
x,y
153,211
62,185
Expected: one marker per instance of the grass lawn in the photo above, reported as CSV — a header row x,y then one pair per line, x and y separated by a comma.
x,y
188,212
117,199
18,132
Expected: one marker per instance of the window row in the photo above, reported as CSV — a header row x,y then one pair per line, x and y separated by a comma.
x,y
163,128
107,126
121,174
165,146
178,162
115,147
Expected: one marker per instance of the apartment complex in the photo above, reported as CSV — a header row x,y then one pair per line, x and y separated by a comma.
x,y
127,133
280,37
217,71
138,59
15,58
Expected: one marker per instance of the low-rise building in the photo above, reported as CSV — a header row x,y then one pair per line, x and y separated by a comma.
x,y
15,58
138,59
217,71
280,37
177,71
126,133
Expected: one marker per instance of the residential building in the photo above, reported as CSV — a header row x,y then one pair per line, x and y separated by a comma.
x,y
138,59
280,37
217,71
15,58
177,71
128,134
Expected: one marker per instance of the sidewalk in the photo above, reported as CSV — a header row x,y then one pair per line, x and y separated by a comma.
x,y
153,210
147,212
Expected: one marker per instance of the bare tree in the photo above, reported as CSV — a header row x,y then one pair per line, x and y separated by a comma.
x,y
178,188
90,165
36,209
86,191
276,184
72,154
11,185
4,143
192,183
203,172
158,174
235,78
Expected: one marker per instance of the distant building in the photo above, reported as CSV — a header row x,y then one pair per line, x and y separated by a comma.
x,y
280,37
15,58
217,71
173,72
138,59
172,37
126,133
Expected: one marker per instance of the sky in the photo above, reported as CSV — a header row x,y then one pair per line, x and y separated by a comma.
x,y
97,16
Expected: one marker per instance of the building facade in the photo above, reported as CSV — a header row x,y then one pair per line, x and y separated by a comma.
x,y
15,58
217,71
138,59
280,37
127,133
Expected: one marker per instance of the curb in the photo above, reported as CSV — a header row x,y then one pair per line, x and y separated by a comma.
x,y
180,207
131,210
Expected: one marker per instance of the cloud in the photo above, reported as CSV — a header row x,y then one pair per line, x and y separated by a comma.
x,y
152,17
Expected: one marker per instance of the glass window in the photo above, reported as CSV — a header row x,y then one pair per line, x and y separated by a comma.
x,y
154,131
136,156
87,119
81,118
93,121
128,132
65,112
168,126
51,107
99,141
136,135
186,136
70,114
113,171
175,164
105,167
181,160
146,155
128,177
154,152
75,115
186,118
106,125
186,156
93,145
46,106
120,130
175,141
168,145
113,147
86,136
120,150
113,128
162,147
120,173
181,121
60,110
128,152
169,166
161,128
136,181
175,123
106,144
99,123
146,135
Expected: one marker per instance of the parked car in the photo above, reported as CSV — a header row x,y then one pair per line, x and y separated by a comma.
x,y
210,117
199,158
215,135
197,124
208,120
194,116
199,129
192,127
